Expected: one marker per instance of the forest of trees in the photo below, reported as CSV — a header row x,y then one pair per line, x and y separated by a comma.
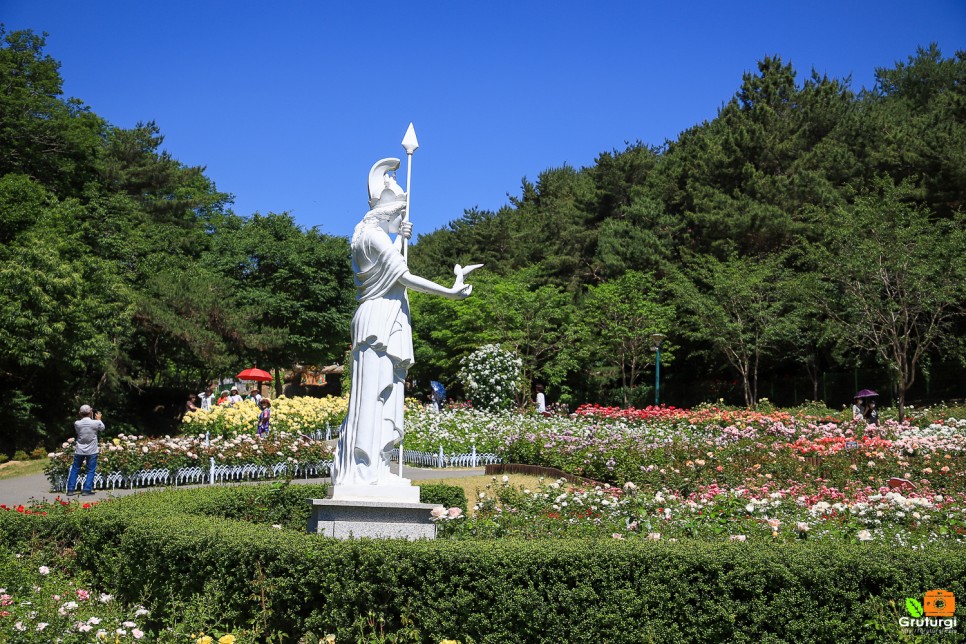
x,y
125,278
808,234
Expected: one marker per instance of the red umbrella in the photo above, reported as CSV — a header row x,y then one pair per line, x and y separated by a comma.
x,y
255,374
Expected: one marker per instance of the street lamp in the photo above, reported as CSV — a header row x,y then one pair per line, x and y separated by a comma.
x,y
657,338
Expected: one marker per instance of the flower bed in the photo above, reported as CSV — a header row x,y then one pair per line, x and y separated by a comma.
x,y
713,473
299,415
127,457
742,456
713,513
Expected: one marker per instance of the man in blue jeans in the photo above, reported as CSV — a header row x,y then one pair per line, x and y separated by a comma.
x,y
86,449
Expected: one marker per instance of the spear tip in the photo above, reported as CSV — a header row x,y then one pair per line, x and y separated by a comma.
x,y
409,142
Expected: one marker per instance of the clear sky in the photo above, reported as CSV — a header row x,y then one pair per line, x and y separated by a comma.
x,y
289,103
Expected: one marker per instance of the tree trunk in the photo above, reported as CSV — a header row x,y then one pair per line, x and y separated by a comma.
x,y
746,382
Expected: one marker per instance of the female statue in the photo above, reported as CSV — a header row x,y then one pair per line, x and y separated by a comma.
x,y
382,344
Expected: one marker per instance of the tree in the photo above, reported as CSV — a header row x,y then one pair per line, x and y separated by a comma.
x,y
900,276
616,321
743,179
913,127
512,311
738,307
297,284
54,141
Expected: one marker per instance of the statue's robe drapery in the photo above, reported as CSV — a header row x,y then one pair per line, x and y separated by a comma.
x,y
382,352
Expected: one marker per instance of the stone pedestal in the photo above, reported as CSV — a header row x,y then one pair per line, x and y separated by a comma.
x,y
352,517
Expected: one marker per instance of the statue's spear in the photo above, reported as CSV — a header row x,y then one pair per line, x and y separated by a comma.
x,y
410,144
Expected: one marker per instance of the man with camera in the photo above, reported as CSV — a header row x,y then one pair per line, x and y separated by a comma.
x,y
86,449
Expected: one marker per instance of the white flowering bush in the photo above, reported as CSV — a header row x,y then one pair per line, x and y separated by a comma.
x,y
491,377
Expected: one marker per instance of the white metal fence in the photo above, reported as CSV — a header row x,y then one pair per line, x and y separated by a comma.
x,y
441,459
215,473
212,475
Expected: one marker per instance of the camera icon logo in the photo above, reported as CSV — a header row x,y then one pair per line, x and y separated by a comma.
x,y
939,603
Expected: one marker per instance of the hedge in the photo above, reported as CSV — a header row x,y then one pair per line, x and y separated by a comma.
x,y
150,548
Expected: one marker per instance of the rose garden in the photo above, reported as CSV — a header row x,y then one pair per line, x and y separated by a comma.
x,y
746,276
805,506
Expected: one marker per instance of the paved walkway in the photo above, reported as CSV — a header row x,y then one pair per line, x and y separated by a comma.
x,y
23,489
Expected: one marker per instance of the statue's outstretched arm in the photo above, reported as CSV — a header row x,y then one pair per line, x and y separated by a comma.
x,y
423,285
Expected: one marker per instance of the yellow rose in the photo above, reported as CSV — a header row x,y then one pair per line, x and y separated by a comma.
x,y
226,639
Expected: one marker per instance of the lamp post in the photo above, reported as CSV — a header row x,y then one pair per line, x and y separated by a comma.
x,y
657,338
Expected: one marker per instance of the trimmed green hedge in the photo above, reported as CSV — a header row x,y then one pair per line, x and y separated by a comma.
x,y
449,496
168,548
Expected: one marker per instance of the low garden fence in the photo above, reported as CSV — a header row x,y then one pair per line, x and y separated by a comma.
x,y
212,475
441,459
215,474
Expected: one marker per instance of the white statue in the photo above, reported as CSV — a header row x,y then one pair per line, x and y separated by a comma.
x,y
382,344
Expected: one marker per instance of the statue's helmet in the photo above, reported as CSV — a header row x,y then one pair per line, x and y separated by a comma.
x,y
383,189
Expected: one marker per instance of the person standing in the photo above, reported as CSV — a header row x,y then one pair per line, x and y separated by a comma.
x,y
264,418
871,413
190,405
234,398
858,410
207,399
86,449
541,401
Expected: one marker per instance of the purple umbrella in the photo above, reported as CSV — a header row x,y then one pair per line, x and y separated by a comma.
x,y
866,393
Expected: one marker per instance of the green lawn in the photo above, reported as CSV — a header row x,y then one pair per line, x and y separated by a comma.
x,y
13,469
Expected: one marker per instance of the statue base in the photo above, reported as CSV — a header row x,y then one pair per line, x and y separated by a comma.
x,y
398,491
353,518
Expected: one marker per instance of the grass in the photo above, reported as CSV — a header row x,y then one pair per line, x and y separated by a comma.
x,y
14,469
473,485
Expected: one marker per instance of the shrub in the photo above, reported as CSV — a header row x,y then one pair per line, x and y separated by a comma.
x,y
491,377
21,455
540,591
38,453
174,548
449,496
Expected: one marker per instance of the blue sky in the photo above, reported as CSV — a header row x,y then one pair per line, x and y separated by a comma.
x,y
288,104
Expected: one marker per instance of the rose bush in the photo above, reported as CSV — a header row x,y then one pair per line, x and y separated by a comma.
x,y
129,454
301,414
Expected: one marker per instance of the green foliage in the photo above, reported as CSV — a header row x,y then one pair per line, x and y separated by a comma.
x,y
613,332
53,140
741,307
122,271
449,496
516,311
297,284
288,582
892,296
